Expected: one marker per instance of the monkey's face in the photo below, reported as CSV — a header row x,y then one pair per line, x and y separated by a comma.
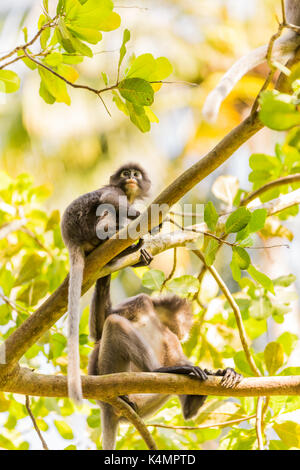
x,y
133,180
130,181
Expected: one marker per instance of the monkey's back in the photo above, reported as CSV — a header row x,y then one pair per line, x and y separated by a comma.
x,y
80,218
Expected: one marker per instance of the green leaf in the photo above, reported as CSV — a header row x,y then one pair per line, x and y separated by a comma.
x,y
261,308
278,111
261,278
138,116
105,79
126,38
153,279
55,86
277,445
289,433
86,34
147,67
242,364
70,59
44,93
94,419
263,162
64,429
137,91
210,216
9,81
238,220
110,23
57,345
53,220
236,270
211,251
258,219
60,6
53,59
284,281
45,5
274,357
30,268
44,37
288,341
120,104
91,14
184,285
34,292
241,257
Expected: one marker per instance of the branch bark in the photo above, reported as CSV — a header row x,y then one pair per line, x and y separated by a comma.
x,y
107,387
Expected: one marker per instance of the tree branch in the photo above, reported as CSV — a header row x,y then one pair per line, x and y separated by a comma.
x,y
272,184
127,412
106,387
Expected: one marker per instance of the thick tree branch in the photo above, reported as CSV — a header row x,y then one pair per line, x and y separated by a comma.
x,y
106,387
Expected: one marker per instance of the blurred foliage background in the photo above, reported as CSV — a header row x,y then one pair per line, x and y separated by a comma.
x,y
73,149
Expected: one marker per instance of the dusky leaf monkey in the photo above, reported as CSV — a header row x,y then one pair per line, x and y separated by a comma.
x,y
143,334
283,49
86,223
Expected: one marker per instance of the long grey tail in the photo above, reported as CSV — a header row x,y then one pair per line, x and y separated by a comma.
x,y
75,283
100,307
282,50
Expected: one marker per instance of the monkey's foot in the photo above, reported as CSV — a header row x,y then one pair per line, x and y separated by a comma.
x,y
129,402
230,376
193,371
146,257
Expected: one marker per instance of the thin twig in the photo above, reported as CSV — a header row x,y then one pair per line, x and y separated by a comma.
x,y
283,12
37,241
202,426
172,271
27,403
13,305
236,312
272,184
258,423
222,240
29,43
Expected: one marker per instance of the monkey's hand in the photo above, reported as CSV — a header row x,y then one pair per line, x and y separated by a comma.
x,y
230,376
193,371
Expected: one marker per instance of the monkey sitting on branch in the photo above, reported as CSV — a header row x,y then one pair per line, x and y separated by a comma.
x,y
86,223
143,334
283,50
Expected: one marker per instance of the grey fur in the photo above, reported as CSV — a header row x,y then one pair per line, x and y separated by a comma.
x,y
137,336
79,226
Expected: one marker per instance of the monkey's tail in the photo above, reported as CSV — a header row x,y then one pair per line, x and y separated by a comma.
x,y
282,50
100,307
75,283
